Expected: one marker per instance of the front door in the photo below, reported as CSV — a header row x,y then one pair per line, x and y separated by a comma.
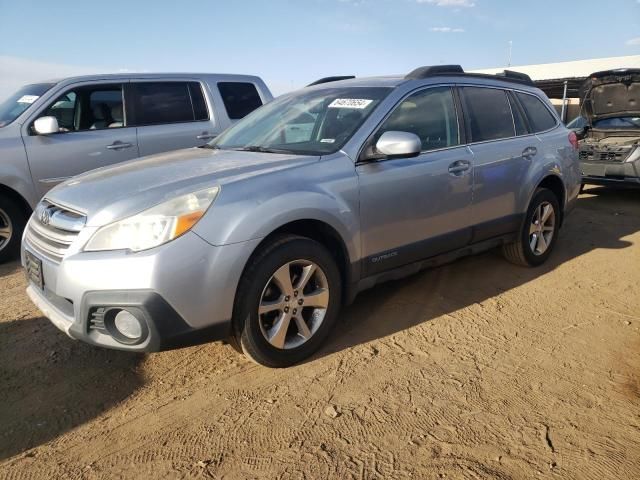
x,y
93,133
414,208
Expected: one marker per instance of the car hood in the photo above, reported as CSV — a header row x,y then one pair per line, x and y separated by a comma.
x,y
611,93
111,193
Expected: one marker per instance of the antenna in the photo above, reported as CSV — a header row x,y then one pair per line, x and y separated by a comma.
x,y
510,49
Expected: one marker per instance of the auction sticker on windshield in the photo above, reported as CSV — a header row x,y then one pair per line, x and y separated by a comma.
x,y
28,99
359,103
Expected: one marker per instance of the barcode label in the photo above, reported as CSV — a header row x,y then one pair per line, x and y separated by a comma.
x,y
358,103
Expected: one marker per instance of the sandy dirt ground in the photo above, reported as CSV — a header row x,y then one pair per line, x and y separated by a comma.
x,y
479,369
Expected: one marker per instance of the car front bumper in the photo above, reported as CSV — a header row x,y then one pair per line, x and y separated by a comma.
x,y
611,173
182,292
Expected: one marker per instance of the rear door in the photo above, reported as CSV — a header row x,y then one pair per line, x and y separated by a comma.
x,y
94,132
414,208
503,151
170,115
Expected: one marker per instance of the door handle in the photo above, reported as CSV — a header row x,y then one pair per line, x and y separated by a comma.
x,y
529,152
459,167
205,136
118,145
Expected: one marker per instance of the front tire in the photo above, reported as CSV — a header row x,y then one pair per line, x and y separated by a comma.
x,y
539,232
287,301
12,222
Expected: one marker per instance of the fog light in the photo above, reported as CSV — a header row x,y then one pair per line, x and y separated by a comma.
x,y
128,325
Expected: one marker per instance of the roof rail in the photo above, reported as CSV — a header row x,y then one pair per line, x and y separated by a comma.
x,y
331,79
429,71
519,76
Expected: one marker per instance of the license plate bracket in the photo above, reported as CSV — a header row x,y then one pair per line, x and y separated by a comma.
x,y
33,266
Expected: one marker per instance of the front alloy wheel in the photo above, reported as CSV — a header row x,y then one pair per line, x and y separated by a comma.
x,y
287,301
293,304
6,229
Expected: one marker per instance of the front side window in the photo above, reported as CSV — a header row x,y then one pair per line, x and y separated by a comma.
x,y
162,102
92,107
17,103
311,122
239,98
430,114
487,113
539,116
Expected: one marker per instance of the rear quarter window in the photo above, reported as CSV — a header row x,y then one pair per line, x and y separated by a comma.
x,y
240,98
540,118
487,113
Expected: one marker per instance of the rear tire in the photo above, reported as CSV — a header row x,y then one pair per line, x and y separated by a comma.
x,y
12,222
539,231
272,323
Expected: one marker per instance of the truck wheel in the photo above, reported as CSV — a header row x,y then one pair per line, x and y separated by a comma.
x,y
539,232
12,222
287,301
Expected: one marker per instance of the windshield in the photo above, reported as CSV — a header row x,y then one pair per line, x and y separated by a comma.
x,y
618,122
316,122
17,103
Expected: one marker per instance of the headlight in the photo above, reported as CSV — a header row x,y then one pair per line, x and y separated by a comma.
x,y
155,226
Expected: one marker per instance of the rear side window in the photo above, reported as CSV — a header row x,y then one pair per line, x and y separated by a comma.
x,y
539,116
162,102
487,113
518,117
240,99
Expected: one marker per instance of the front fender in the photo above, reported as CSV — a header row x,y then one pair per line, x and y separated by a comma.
x,y
261,220
326,192
14,168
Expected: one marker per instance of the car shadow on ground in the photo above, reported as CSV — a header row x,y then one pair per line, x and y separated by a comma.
x,y
601,220
9,268
55,384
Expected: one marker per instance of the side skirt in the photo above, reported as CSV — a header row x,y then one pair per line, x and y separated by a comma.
x,y
415,267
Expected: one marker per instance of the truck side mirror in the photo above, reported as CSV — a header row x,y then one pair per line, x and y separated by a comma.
x,y
46,125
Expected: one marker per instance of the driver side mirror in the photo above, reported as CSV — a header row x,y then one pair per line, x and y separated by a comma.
x,y
395,144
46,125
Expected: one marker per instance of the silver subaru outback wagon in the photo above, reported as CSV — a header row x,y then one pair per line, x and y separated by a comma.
x,y
262,235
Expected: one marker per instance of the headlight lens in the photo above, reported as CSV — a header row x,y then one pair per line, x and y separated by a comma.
x,y
155,226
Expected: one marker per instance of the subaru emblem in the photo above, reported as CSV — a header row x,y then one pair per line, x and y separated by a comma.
x,y
45,216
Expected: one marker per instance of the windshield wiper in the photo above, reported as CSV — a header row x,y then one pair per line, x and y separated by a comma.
x,y
258,148
211,147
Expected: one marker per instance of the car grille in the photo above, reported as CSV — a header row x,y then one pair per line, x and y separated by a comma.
x,y
608,156
52,229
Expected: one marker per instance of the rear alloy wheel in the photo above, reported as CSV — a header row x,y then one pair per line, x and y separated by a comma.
x,y
287,301
542,228
12,222
539,232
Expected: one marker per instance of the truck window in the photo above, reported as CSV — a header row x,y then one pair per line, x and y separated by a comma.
x,y
240,99
162,102
197,99
91,107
